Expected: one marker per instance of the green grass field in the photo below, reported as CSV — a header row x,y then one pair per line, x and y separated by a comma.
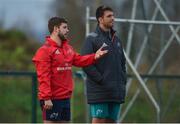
x,y
15,94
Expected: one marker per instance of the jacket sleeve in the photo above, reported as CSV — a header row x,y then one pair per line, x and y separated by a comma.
x,y
124,66
123,62
42,63
91,71
82,61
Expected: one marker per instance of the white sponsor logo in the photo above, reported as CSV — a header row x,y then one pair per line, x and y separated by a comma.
x,y
99,111
118,44
63,68
54,115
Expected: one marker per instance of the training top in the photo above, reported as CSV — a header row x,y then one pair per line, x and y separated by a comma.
x,y
53,64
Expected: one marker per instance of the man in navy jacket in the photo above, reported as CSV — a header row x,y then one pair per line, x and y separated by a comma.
x,y
106,79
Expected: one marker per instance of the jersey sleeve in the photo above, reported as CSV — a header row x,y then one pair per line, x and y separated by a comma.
x,y
42,62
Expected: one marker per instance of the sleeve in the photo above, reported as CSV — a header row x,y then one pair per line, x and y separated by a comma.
x,y
82,61
91,71
123,62
124,66
42,63
123,59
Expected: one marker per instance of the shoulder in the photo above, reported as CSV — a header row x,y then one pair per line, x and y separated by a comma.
x,y
44,49
117,39
91,37
43,53
92,34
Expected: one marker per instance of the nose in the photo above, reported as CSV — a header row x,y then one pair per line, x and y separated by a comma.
x,y
113,18
67,30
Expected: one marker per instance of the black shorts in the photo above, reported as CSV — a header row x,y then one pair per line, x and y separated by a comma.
x,y
59,112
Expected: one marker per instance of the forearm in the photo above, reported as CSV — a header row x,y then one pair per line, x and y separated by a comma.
x,y
84,60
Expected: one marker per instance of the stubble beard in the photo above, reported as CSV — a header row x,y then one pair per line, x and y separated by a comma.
x,y
61,36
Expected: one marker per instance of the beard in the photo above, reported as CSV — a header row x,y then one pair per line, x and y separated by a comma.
x,y
61,36
108,25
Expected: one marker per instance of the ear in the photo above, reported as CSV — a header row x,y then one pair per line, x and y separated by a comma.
x,y
56,28
100,19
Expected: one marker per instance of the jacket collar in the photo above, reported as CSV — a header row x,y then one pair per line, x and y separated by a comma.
x,y
105,33
51,42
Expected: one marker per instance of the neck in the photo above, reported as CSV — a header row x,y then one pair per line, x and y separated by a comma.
x,y
104,28
56,39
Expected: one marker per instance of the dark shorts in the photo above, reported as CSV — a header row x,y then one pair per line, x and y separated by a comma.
x,y
59,112
108,110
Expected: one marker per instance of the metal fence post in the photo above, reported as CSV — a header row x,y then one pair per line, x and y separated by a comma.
x,y
34,99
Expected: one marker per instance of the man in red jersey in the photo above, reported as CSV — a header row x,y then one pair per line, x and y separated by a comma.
x,y
53,62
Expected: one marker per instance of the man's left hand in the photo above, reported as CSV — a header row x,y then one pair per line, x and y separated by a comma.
x,y
100,53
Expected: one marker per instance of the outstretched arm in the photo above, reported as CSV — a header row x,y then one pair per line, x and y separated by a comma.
x,y
86,60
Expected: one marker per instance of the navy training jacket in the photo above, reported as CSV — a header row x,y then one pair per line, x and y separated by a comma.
x,y
106,79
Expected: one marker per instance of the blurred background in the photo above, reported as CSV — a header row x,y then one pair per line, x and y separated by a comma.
x,y
154,51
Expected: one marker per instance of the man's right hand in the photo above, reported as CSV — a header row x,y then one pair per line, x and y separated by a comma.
x,y
48,104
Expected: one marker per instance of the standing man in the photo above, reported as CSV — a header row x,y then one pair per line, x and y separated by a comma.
x,y
53,62
106,79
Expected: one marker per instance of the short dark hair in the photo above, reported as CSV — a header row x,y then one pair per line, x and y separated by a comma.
x,y
101,9
55,21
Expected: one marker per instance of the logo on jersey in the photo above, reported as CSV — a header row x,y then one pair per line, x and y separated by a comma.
x,y
63,68
57,52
